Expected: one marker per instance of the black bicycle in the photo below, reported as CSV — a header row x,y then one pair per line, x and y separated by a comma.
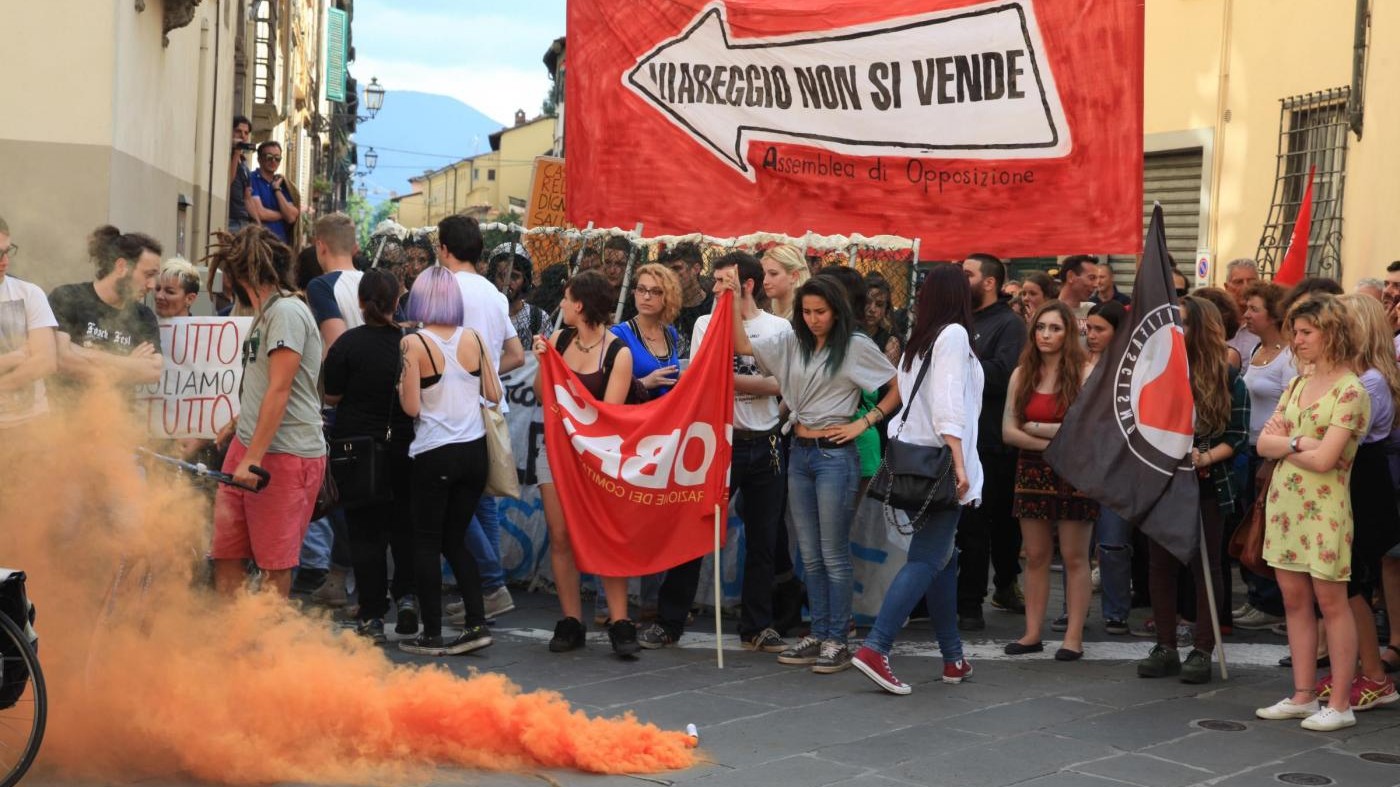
x,y
24,703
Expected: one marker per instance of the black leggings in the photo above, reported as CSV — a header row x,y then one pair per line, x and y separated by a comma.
x,y
377,526
447,483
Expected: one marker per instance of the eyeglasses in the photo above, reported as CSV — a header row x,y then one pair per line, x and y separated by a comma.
x,y
270,158
648,292
12,251
1181,292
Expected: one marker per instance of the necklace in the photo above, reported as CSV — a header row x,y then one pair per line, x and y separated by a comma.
x,y
588,347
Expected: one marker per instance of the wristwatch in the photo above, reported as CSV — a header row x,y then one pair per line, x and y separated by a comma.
x,y
1293,445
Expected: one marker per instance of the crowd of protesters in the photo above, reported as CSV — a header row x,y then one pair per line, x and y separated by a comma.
x,y
1295,389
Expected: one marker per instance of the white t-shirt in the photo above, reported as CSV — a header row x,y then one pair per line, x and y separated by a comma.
x,y
486,311
754,413
949,402
23,308
1245,343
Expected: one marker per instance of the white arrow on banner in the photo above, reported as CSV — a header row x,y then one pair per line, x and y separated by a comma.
x,y
968,83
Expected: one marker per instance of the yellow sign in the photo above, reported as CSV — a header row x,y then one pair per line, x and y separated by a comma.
x,y
546,206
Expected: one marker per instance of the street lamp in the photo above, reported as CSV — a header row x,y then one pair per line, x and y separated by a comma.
x,y
363,190
371,159
374,96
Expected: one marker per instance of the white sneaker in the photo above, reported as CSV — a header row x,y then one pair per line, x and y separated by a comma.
x,y
1288,709
1329,720
1241,610
1095,582
1256,620
498,602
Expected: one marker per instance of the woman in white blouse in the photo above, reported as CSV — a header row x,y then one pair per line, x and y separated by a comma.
x,y
942,409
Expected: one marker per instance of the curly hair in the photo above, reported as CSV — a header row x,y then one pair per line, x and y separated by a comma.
x,y
1069,371
1329,315
1271,295
671,299
1374,339
1207,356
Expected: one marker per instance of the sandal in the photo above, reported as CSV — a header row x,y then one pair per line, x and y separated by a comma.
x,y
1390,666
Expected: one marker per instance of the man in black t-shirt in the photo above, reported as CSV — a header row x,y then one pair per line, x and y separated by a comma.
x,y
104,329
697,300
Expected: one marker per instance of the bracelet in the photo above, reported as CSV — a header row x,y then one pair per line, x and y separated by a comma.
x,y
866,420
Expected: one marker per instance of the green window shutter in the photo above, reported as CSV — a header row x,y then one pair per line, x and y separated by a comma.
x,y
335,54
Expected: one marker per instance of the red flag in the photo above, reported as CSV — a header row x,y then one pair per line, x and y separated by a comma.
x,y
639,483
1295,260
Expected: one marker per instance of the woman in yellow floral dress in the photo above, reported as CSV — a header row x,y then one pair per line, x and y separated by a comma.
x,y
1314,435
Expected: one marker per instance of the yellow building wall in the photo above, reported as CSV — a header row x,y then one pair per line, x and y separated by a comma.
x,y
412,212
519,147
1207,58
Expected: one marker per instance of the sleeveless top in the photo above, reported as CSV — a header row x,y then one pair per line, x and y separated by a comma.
x,y
596,381
1043,408
450,410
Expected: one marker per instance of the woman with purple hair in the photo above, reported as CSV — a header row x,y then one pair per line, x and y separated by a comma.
x,y
446,371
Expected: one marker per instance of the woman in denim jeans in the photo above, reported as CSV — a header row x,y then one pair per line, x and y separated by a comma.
x,y
821,368
942,410
1114,533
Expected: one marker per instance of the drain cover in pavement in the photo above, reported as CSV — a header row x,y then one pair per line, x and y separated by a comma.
x,y
1219,725
1310,779
1381,758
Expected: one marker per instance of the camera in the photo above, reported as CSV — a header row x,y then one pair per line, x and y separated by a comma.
x,y
246,146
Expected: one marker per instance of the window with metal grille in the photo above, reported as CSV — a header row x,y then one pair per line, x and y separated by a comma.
x,y
1312,132
264,53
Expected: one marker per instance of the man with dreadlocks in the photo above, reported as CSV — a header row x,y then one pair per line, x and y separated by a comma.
x,y
279,426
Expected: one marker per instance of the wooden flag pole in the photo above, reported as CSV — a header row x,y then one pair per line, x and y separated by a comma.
x,y
719,631
1210,597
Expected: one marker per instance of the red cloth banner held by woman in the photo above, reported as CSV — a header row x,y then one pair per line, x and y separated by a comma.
x,y
639,483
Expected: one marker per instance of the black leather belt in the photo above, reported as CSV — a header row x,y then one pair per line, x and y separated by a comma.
x,y
749,435
821,442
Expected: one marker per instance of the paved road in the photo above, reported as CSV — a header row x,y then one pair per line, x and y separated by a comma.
x,y
1029,721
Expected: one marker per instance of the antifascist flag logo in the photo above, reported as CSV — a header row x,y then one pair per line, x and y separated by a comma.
x,y
1153,390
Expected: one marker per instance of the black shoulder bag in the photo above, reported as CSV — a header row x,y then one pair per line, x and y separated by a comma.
x,y
360,464
916,479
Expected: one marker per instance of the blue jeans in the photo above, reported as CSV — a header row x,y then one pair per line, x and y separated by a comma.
x,y
932,573
484,541
822,486
316,547
1115,537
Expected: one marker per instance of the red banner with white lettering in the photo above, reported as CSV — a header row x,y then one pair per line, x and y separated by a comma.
x,y
1013,127
639,484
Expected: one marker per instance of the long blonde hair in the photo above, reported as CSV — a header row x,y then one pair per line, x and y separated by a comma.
x,y
1375,345
791,259
1208,357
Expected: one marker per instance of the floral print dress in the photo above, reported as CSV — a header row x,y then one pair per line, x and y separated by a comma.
x,y
1309,527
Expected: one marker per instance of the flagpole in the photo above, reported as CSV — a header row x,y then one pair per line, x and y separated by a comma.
x,y
1210,598
719,631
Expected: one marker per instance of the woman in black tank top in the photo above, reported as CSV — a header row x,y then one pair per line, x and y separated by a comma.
x,y
603,365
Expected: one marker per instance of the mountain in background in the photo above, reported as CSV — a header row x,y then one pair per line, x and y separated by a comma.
x,y
424,123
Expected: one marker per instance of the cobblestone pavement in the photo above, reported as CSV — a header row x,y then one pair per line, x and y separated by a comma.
x,y
1027,721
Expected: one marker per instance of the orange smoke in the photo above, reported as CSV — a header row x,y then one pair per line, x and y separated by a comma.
x,y
168,680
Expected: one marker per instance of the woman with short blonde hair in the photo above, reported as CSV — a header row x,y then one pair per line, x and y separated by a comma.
x,y
784,270
177,288
650,335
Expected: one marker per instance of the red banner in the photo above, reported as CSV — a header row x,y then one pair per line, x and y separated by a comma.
x,y
639,483
1013,127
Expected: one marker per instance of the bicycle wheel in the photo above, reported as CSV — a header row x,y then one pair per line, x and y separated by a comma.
x,y
25,707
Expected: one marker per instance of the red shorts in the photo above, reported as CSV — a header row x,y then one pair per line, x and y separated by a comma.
x,y
267,526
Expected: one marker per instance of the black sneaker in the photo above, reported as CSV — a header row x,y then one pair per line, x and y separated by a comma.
x,y
474,638
569,634
972,622
1116,627
765,641
1196,667
655,636
623,634
424,645
308,580
406,622
372,630
1060,625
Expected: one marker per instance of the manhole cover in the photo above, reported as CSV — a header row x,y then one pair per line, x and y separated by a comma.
x,y
1310,779
1381,758
1220,725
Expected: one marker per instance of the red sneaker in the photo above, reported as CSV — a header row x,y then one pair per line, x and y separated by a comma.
x,y
1367,694
876,666
956,671
1324,689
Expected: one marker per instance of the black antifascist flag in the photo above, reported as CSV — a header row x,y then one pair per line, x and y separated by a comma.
x,y
1126,441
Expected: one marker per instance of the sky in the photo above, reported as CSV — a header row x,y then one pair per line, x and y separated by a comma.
x,y
486,54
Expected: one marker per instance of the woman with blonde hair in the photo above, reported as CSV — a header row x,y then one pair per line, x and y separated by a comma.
x,y
1044,384
1376,521
1222,430
1309,524
650,335
177,288
784,270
